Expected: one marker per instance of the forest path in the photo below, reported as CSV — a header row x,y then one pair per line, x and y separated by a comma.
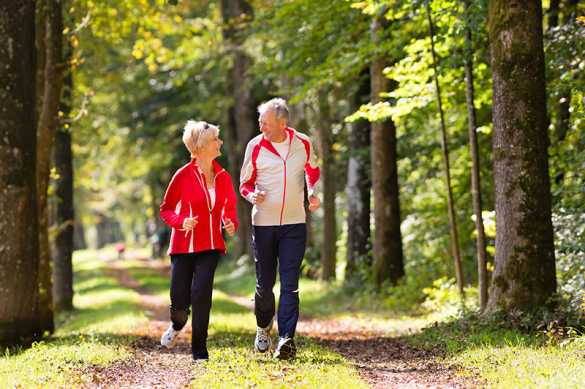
x,y
383,361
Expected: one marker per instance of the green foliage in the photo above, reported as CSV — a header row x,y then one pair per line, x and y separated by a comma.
x,y
569,228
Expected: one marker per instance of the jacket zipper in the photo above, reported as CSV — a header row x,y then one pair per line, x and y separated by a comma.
x,y
284,165
203,184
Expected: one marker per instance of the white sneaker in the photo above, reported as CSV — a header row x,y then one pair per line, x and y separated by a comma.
x,y
263,342
169,337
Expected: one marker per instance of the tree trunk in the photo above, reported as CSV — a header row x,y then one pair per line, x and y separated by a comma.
x,y
553,13
475,169
329,243
46,129
358,186
445,147
64,210
388,255
79,242
524,276
357,190
237,14
19,250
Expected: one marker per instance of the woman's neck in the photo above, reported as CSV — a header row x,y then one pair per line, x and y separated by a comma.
x,y
206,164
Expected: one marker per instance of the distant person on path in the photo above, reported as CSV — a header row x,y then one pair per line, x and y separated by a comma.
x,y
277,164
199,200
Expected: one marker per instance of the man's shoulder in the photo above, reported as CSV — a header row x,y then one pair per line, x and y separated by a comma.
x,y
255,140
300,135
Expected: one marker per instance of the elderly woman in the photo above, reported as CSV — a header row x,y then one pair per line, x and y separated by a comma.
x,y
199,200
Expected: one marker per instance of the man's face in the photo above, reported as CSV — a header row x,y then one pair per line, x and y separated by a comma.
x,y
270,126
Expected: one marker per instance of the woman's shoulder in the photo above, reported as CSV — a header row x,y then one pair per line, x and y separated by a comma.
x,y
221,174
181,172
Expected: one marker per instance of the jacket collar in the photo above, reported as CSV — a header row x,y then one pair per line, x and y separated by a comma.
x,y
268,145
216,167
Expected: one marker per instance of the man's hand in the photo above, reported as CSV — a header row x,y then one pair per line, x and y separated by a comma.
x,y
189,223
314,203
229,227
258,196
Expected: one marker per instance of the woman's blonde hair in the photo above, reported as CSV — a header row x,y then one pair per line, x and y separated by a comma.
x,y
197,134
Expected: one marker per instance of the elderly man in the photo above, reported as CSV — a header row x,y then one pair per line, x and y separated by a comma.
x,y
277,164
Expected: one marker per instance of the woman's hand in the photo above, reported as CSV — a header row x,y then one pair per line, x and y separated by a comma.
x,y
189,223
229,227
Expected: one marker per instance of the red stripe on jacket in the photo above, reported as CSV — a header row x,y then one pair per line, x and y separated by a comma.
x,y
187,196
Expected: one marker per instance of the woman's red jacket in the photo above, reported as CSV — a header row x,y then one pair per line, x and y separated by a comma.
x,y
188,196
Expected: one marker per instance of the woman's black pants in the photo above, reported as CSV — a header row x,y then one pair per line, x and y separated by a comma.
x,y
192,285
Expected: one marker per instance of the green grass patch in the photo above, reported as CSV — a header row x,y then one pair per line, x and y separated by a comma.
x,y
505,357
93,334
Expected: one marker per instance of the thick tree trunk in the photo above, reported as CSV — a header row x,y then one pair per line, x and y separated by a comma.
x,y
524,276
328,246
445,147
475,169
47,126
388,254
19,250
358,186
357,190
64,210
237,14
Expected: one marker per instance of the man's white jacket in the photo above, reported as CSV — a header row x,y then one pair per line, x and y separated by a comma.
x,y
282,178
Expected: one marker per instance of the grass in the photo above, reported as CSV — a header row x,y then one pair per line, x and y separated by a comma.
x,y
96,333
93,334
505,357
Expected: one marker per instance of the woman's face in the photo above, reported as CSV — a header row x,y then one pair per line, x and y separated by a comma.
x,y
212,148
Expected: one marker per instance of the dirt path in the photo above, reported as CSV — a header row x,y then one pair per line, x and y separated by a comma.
x,y
151,366
381,360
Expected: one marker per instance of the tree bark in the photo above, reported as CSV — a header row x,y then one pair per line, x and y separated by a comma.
x,y
358,186
445,148
237,14
329,243
475,169
388,254
524,277
64,209
357,190
46,129
553,13
19,249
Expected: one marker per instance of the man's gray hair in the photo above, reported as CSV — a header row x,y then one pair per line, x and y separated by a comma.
x,y
277,105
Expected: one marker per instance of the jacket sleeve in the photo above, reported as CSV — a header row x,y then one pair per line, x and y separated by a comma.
x,y
169,204
312,171
230,210
248,173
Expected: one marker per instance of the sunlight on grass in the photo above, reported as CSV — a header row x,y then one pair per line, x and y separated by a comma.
x,y
233,363
506,358
90,335
523,366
